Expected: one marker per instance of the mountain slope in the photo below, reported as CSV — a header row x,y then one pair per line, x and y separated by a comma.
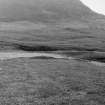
x,y
59,23
43,10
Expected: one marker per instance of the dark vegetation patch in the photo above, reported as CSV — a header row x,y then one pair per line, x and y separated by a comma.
x,y
87,55
23,47
36,48
92,56
4,45
26,47
42,57
99,59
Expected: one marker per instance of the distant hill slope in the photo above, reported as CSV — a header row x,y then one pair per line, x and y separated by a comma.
x,y
43,10
64,12
61,23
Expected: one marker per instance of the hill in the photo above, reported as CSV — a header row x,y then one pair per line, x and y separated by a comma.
x,y
57,23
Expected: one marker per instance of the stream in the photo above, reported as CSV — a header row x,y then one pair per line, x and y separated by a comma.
x,y
11,55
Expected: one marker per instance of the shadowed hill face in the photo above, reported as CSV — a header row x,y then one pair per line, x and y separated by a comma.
x,y
43,10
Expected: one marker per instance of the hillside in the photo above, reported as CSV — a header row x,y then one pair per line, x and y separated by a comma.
x,y
63,24
43,10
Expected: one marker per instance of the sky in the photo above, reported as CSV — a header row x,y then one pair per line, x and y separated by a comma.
x,y
96,5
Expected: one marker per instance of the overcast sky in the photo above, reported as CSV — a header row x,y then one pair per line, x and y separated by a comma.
x,y
96,5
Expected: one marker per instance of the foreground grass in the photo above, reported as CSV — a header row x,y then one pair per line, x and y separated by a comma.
x,y
51,82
